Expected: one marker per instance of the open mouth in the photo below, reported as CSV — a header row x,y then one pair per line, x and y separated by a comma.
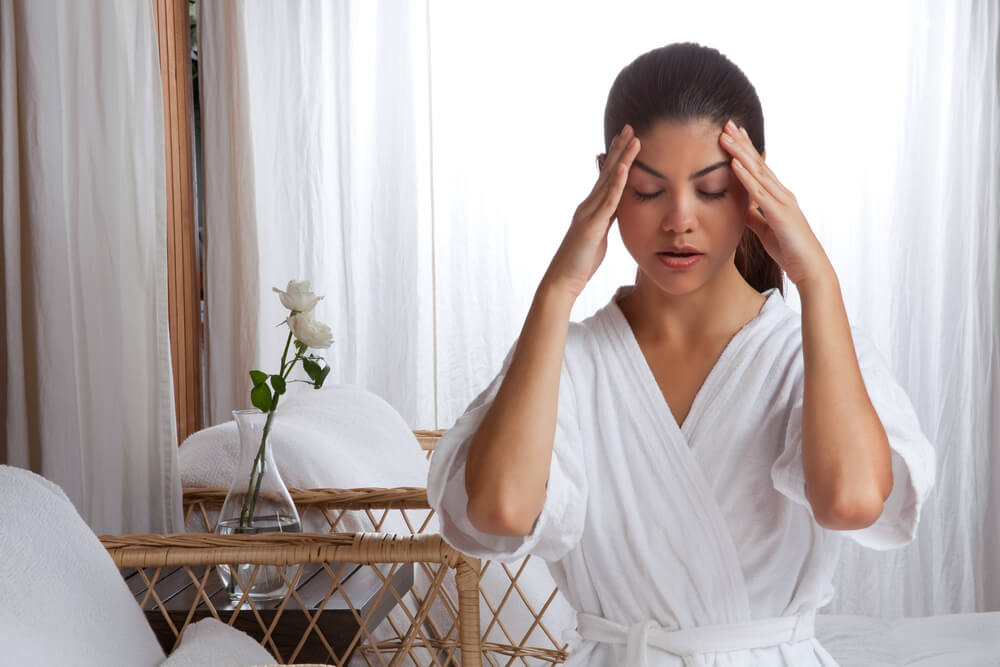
x,y
679,260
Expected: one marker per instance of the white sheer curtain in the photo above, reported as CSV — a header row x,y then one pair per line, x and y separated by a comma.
x,y
87,395
315,126
928,288
882,118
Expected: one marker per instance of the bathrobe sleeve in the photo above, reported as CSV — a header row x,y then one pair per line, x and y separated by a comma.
x,y
560,524
913,458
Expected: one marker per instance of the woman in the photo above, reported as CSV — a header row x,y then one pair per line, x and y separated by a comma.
x,y
690,458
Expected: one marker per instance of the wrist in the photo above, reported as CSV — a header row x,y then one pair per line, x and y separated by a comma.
x,y
552,290
820,281
812,270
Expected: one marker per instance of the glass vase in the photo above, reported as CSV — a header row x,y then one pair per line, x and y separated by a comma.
x,y
258,502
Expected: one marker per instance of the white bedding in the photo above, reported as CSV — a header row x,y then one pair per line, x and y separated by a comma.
x,y
949,640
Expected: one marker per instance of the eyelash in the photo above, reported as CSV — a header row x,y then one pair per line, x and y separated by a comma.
x,y
641,196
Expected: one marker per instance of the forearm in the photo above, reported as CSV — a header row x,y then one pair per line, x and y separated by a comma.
x,y
845,452
510,453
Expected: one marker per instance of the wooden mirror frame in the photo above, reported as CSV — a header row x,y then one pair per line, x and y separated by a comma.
x,y
183,276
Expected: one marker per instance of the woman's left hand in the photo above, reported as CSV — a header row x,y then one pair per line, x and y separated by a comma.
x,y
773,213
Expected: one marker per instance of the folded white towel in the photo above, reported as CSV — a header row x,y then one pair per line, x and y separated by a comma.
x,y
340,436
63,598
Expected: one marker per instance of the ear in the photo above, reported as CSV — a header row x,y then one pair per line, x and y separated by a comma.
x,y
600,161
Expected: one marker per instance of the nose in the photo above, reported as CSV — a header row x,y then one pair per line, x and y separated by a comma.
x,y
680,217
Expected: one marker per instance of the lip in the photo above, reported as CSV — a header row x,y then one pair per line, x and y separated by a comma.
x,y
682,249
678,262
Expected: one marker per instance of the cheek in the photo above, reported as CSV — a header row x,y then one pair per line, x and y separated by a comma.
x,y
633,226
630,214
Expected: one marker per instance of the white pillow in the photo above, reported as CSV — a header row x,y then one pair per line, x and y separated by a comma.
x,y
209,643
63,598
340,436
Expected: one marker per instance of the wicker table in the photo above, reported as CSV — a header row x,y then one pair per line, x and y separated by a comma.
x,y
338,623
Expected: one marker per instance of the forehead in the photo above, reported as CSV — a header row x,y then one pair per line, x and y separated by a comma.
x,y
673,147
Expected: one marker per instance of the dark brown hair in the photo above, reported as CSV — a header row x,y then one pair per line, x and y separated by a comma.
x,y
683,82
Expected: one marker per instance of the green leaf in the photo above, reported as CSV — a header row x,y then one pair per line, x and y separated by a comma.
x,y
258,377
322,376
278,383
260,396
312,369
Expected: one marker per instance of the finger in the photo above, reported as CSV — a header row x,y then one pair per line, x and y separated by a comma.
x,y
618,147
739,145
765,200
742,148
787,194
611,183
612,192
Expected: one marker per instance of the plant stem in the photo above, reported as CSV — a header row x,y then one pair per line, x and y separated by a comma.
x,y
253,490
288,341
260,454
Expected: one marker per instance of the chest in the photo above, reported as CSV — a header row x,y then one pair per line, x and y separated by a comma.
x,y
681,374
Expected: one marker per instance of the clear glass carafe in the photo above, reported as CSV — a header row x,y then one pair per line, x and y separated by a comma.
x,y
258,502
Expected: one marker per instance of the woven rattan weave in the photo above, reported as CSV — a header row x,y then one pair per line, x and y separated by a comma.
x,y
427,626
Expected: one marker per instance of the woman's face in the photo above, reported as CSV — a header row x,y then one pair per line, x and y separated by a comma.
x,y
682,197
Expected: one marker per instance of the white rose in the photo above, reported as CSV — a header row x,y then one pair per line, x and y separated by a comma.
x,y
298,296
310,331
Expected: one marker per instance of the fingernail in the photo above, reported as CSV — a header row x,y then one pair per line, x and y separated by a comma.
x,y
730,125
729,139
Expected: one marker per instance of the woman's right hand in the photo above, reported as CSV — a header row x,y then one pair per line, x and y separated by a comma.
x,y
585,244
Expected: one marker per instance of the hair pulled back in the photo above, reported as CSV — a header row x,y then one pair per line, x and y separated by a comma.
x,y
683,82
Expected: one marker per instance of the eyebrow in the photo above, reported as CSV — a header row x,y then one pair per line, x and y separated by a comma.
x,y
697,174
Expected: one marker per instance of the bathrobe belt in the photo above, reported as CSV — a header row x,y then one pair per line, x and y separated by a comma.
x,y
688,642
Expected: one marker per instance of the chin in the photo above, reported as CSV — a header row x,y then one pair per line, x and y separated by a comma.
x,y
679,283
677,286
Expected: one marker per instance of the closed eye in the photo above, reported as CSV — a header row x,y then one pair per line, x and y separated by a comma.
x,y
646,196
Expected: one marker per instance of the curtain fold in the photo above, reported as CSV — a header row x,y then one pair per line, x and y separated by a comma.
x,y
932,289
314,118
231,242
421,166
88,396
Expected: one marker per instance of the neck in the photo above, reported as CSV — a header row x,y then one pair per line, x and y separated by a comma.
x,y
715,310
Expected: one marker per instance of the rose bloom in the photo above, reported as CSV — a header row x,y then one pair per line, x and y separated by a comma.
x,y
298,296
310,331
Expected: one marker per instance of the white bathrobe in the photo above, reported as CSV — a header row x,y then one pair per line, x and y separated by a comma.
x,y
694,544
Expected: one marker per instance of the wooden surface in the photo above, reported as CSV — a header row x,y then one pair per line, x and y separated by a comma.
x,y
184,280
337,623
